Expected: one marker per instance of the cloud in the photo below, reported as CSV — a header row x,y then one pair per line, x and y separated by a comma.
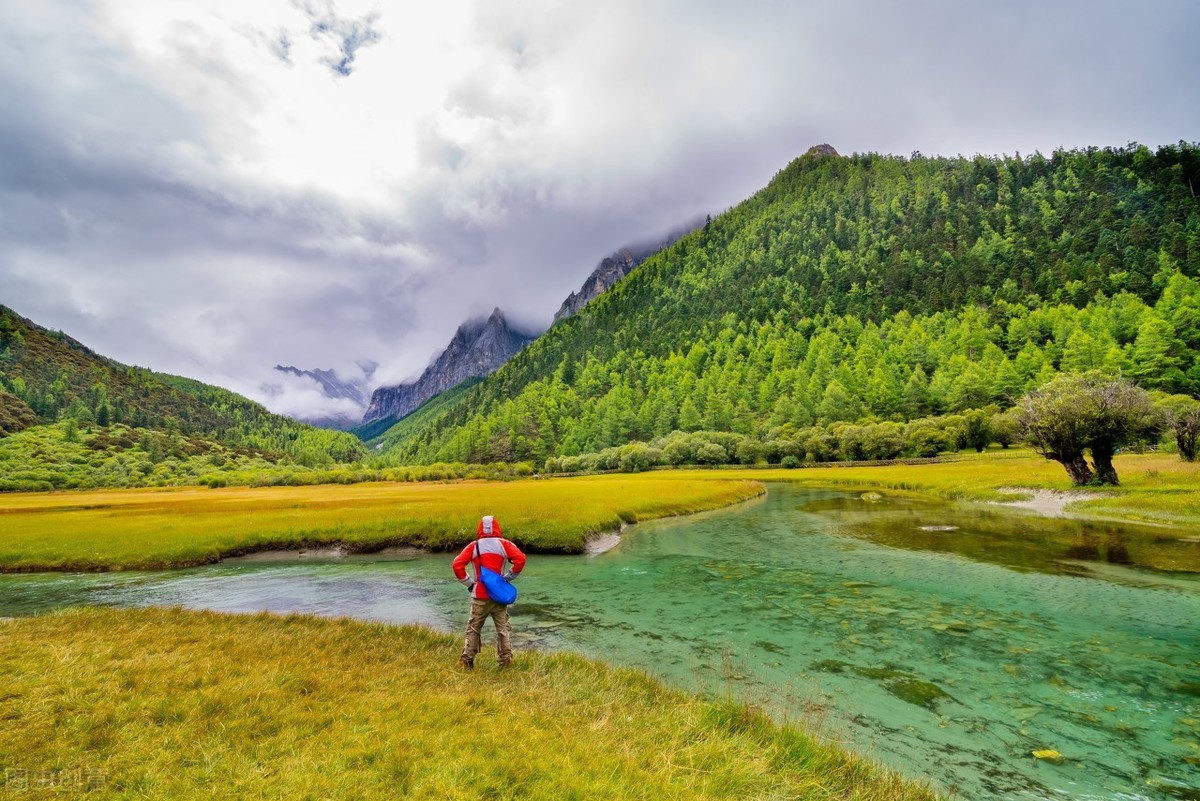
x,y
215,188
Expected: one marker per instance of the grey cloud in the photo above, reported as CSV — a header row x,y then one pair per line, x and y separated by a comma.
x,y
579,129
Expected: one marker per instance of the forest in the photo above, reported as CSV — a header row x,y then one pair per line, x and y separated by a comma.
x,y
46,376
871,289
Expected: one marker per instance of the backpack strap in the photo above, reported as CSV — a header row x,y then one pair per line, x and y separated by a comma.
x,y
478,562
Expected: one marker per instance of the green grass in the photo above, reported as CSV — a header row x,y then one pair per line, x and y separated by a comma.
x,y
169,704
147,529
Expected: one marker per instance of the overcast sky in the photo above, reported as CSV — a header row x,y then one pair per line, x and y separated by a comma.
x,y
212,187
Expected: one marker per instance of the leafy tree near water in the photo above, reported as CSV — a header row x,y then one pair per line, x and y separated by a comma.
x,y
1182,415
1087,412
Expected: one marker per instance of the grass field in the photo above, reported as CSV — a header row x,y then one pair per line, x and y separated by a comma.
x,y
147,529
168,704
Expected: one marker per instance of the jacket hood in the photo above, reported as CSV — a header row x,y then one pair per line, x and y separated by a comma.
x,y
488,526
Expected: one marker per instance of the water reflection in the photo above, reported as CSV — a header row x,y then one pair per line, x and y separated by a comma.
x,y
923,647
1011,538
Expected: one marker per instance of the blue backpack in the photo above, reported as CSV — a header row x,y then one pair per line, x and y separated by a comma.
x,y
497,588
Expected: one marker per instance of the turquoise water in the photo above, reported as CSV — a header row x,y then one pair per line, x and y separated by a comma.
x,y
950,654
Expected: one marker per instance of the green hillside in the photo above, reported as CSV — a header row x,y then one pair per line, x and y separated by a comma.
x,y
46,376
865,288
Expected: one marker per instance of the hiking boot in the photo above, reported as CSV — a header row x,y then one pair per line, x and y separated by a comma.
x,y
467,664
504,663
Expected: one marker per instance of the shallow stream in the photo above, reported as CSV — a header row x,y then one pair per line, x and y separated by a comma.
x,y
949,642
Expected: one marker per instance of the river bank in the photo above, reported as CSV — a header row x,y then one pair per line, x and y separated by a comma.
x,y
157,529
1154,488
1048,503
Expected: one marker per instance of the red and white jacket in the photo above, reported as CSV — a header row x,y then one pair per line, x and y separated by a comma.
x,y
493,552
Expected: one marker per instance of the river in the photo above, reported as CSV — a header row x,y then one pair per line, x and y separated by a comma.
x,y
949,642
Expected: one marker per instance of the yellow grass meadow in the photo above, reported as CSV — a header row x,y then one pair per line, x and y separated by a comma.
x,y
153,528
171,704
147,529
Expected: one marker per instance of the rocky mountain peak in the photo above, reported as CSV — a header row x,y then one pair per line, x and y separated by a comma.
x,y
823,149
478,348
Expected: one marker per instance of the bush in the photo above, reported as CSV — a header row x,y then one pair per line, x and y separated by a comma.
x,y
636,457
775,450
680,450
749,451
925,438
1005,430
820,445
711,453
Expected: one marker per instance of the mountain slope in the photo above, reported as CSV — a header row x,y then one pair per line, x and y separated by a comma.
x,y
612,269
394,435
15,414
477,349
866,286
56,377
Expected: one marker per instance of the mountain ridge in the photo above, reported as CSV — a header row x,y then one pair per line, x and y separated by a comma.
x,y
615,267
478,348
56,377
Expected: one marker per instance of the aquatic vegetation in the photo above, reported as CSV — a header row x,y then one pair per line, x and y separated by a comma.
x,y
903,685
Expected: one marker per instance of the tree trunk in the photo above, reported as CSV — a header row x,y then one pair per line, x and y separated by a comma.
x,y
1078,470
1186,431
1105,472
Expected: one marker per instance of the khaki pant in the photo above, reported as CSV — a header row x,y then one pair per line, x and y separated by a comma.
x,y
481,609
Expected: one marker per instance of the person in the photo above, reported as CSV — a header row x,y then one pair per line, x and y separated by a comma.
x,y
491,550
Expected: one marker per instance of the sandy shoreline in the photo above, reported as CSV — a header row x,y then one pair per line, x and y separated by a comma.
x,y
606,541
595,545
1049,503
332,552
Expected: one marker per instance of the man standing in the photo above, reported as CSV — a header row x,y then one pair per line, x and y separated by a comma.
x,y
491,551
